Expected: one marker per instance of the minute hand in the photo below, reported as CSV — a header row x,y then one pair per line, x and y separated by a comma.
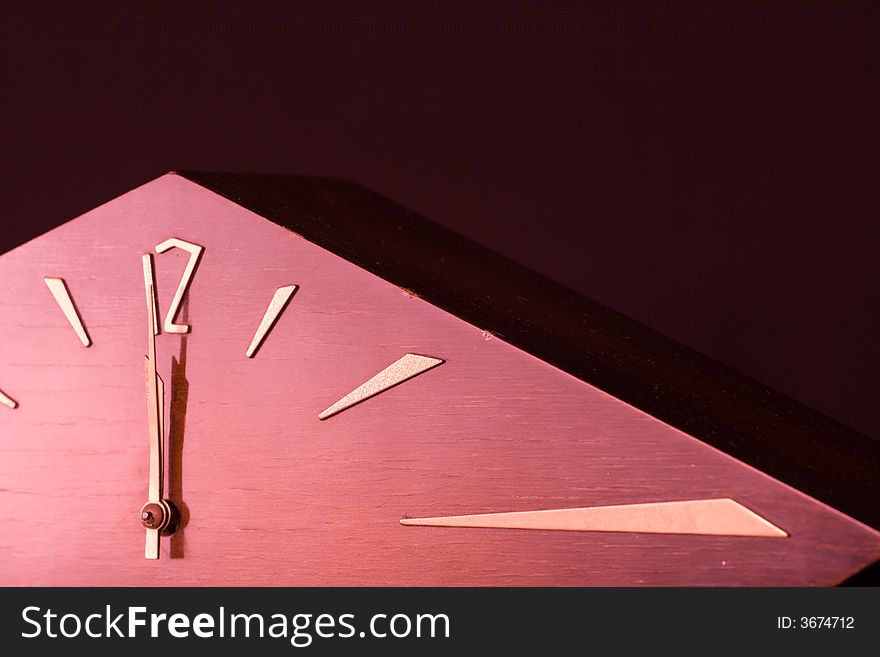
x,y
155,407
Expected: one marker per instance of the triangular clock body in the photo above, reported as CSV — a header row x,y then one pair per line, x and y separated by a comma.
x,y
272,494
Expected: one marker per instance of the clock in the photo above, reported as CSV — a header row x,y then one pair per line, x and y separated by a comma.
x,y
254,380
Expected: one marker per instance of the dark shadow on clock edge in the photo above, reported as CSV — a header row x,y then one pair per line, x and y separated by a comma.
x,y
869,576
179,399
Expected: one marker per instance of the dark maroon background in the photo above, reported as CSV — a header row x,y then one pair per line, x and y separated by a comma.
x,y
711,172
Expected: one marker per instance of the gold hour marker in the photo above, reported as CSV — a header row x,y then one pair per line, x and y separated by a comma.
x,y
273,312
62,296
718,517
7,401
195,252
399,371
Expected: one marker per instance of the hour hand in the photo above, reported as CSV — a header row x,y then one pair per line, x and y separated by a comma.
x,y
156,513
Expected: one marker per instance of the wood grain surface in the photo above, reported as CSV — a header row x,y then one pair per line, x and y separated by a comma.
x,y
634,363
271,495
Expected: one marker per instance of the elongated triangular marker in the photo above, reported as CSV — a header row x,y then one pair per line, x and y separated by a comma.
x,y
720,517
273,312
59,290
7,401
399,371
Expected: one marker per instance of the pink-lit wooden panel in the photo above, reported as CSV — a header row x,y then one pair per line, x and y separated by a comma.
x,y
275,496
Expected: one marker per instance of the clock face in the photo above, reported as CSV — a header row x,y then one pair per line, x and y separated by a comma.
x,y
323,427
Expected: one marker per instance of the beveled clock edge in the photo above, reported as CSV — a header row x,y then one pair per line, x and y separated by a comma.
x,y
680,386
867,576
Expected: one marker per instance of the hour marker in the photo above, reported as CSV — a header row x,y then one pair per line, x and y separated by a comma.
x,y
62,295
195,252
719,517
273,312
399,371
7,401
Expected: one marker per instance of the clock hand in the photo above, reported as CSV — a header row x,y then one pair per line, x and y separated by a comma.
x,y
154,515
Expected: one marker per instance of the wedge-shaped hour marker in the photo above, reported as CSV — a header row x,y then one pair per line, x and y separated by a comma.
x,y
399,371
62,295
7,401
718,517
273,312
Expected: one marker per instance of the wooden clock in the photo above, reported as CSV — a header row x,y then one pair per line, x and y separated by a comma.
x,y
256,380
